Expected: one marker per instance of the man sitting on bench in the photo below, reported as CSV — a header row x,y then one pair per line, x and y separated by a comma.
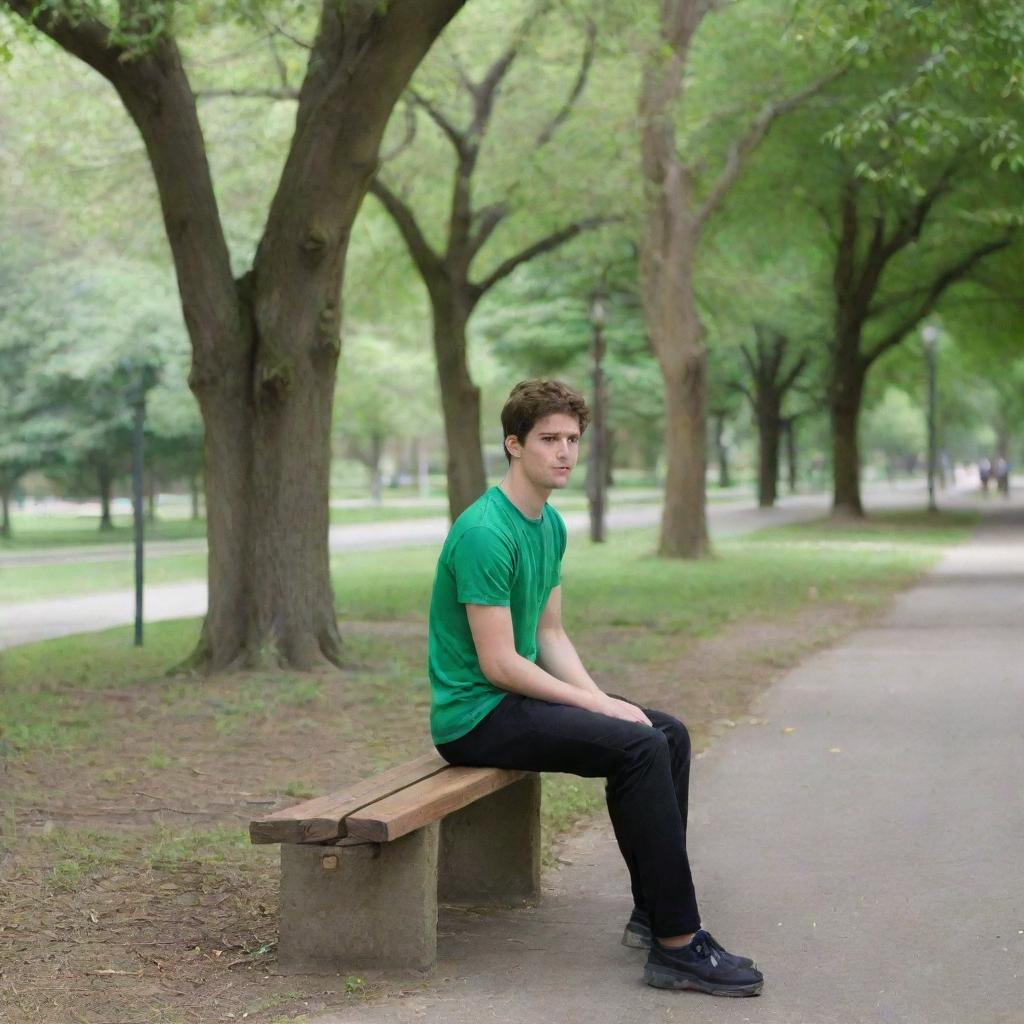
x,y
508,689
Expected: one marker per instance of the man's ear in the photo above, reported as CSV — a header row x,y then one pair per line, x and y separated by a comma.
x,y
513,446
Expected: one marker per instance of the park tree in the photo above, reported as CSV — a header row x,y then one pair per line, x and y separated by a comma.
x,y
461,101
683,195
774,364
265,342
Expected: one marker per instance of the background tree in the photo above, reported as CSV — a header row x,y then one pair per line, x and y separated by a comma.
x,y
461,103
682,197
925,188
774,367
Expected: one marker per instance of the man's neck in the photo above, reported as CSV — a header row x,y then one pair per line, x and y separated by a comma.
x,y
527,498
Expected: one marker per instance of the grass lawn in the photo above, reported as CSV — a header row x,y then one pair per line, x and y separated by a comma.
x,y
122,837
29,532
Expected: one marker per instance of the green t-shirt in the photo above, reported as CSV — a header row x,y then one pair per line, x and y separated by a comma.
x,y
494,555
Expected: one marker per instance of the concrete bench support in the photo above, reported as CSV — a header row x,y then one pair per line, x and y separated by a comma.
x,y
353,904
490,850
360,905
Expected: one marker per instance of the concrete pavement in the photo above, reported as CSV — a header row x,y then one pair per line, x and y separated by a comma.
x,y
864,843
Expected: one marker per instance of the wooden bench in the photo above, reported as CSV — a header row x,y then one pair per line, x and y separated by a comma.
x,y
363,869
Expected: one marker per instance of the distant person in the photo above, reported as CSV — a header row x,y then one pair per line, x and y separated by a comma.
x,y
984,472
508,690
1002,475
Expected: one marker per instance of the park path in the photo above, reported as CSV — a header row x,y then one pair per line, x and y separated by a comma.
x,y
26,622
863,840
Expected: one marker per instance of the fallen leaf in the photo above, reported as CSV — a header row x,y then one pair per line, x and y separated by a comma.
x,y
834,750
789,729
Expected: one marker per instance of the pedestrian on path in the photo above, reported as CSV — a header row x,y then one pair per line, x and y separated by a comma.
x,y
509,690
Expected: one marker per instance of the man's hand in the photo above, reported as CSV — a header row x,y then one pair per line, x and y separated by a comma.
x,y
615,708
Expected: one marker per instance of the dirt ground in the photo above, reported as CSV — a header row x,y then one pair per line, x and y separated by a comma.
x,y
128,890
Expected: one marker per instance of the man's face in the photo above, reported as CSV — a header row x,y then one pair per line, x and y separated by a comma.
x,y
549,452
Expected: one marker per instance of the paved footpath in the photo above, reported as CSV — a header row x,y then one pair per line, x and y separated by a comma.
x,y
28,621
866,844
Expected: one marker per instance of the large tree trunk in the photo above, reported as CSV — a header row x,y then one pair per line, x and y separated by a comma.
x,y
265,379
460,402
768,458
105,485
683,522
844,410
671,233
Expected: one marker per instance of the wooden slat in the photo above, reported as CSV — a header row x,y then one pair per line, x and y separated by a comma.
x,y
424,802
322,819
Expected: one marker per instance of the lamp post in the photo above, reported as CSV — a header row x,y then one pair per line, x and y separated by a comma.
x,y
597,474
929,337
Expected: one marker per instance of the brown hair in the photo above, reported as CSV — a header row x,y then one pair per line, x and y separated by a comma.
x,y
532,400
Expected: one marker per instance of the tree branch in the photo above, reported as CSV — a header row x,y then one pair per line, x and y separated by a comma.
x,y
790,378
581,80
484,93
458,139
909,227
546,244
948,277
287,35
752,138
427,261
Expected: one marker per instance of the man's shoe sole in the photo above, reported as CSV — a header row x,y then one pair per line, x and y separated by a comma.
x,y
668,978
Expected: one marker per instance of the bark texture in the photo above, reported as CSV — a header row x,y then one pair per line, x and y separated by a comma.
x,y
265,347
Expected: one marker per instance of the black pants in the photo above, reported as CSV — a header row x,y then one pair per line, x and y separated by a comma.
x,y
648,773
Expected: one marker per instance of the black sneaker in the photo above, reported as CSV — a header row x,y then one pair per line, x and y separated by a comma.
x,y
637,935
698,966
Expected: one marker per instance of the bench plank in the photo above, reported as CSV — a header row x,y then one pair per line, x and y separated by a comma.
x,y
322,819
423,802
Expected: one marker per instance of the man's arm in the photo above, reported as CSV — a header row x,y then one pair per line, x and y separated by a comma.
x,y
555,651
505,667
